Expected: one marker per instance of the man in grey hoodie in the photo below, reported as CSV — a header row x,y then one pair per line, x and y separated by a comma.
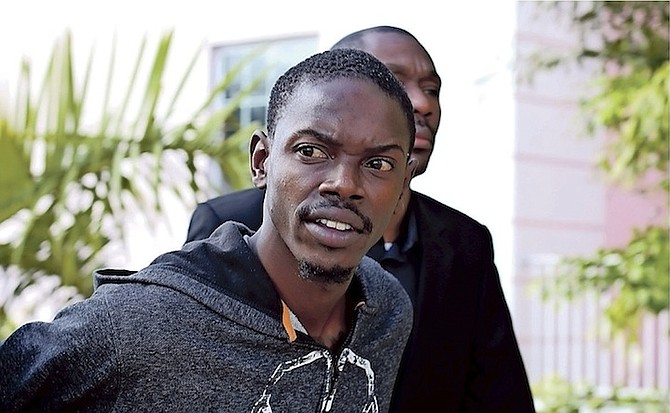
x,y
291,318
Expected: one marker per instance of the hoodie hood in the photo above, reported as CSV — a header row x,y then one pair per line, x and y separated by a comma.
x,y
222,273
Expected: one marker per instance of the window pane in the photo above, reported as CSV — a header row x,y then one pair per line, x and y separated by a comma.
x,y
258,114
232,123
275,58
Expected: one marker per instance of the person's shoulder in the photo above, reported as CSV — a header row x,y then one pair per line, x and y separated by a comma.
x,y
193,263
427,207
242,197
379,283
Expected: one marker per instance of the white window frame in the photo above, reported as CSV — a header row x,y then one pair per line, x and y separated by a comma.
x,y
276,56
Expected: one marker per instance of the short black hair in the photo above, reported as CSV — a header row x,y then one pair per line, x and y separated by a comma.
x,y
335,64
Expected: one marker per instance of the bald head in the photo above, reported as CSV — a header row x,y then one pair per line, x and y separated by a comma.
x,y
410,62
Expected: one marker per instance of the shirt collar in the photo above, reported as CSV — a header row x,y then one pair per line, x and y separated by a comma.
x,y
412,235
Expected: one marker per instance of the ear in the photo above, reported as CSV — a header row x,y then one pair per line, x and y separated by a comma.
x,y
258,154
401,205
411,170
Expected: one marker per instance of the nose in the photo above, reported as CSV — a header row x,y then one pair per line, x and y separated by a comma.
x,y
343,181
421,103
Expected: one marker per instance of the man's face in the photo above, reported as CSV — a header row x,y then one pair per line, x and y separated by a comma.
x,y
334,171
414,68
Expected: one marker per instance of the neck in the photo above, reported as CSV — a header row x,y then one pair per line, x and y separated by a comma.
x,y
327,325
321,307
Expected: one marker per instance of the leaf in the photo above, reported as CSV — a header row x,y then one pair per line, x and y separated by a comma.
x,y
70,192
16,183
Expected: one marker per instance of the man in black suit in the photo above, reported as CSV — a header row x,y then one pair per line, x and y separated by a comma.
x,y
462,355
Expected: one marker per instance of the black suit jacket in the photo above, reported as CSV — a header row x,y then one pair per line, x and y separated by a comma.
x,y
462,355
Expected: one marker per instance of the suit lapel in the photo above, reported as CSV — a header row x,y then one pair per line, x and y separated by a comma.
x,y
437,254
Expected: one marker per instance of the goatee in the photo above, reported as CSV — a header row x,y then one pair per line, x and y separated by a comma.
x,y
333,275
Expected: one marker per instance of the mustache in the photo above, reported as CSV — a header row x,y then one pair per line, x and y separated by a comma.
x,y
421,121
305,211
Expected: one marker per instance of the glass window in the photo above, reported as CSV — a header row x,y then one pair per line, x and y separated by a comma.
x,y
272,57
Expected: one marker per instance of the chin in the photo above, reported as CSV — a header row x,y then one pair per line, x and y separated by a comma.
x,y
335,274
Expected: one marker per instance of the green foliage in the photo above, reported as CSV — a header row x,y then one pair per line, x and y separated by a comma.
x,y
635,276
628,42
66,188
559,396
622,33
629,101
635,105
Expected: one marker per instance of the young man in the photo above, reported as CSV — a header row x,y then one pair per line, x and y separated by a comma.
x,y
291,318
462,355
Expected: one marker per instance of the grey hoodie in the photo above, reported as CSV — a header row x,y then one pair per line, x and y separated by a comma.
x,y
200,330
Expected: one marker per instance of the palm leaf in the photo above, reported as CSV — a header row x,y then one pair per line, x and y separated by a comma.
x,y
68,192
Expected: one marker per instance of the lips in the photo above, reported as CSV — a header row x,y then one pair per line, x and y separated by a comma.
x,y
340,226
332,237
337,218
424,134
421,142
335,227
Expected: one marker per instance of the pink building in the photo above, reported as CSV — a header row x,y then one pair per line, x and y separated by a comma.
x,y
563,206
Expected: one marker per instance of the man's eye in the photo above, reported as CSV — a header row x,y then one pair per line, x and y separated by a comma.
x,y
309,151
432,92
379,164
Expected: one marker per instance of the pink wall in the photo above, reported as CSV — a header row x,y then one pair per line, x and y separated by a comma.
x,y
564,206
626,209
